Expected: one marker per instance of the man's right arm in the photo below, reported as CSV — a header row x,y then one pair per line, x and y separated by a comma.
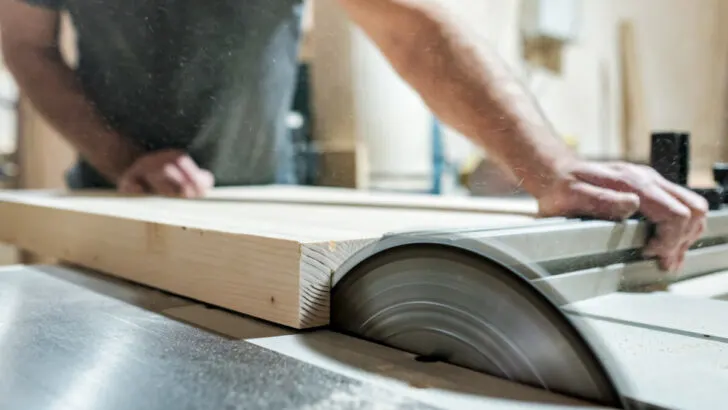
x,y
31,52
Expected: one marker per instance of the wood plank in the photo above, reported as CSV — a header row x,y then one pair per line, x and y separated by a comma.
x,y
8,255
268,260
635,131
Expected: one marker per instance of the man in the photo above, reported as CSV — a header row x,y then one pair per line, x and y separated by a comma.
x,y
172,97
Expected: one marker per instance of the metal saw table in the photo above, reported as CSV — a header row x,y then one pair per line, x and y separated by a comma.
x,y
73,339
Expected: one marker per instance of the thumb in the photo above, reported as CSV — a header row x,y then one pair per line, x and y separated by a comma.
x,y
203,180
207,179
130,185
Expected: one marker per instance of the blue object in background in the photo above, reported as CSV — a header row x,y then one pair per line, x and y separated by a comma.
x,y
442,168
438,157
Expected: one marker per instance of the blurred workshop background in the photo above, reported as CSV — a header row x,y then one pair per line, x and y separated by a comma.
x,y
606,72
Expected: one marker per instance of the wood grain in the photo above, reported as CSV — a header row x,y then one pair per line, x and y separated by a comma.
x,y
268,259
636,132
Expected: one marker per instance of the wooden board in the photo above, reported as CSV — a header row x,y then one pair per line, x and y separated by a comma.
x,y
8,255
267,259
635,132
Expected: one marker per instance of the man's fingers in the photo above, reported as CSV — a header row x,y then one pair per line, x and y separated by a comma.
x,y
655,200
685,224
666,244
678,212
197,179
173,180
170,181
599,175
698,208
673,223
602,202
207,179
659,205
169,173
696,203
697,227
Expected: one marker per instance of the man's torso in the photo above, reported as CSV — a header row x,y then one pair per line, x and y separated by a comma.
x,y
214,78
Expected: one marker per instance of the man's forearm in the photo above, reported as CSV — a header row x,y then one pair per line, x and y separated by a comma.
x,y
465,84
53,90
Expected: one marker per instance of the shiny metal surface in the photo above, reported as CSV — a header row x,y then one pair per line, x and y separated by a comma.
x,y
558,242
457,306
66,346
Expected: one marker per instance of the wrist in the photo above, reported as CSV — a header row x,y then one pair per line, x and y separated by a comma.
x,y
540,173
114,156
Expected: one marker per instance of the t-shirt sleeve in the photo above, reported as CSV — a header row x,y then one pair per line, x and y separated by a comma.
x,y
49,4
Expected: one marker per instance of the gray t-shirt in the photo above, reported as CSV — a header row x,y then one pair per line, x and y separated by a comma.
x,y
215,78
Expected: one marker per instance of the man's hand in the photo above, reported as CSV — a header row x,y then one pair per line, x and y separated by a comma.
x,y
615,191
167,172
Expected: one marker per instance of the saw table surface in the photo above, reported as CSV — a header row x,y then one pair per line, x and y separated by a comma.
x,y
77,340
73,339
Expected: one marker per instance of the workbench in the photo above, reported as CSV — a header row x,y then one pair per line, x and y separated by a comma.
x,y
71,339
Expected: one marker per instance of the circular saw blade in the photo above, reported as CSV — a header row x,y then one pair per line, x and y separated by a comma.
x,y
460,307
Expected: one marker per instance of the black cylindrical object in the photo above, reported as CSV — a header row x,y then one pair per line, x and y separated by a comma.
x,y
670,156
720,173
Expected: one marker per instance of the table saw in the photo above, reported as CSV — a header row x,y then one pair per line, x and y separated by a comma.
x,y
543,314
75,339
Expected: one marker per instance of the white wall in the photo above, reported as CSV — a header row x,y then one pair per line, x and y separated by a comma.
x,y
682,53
360,100
8,114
